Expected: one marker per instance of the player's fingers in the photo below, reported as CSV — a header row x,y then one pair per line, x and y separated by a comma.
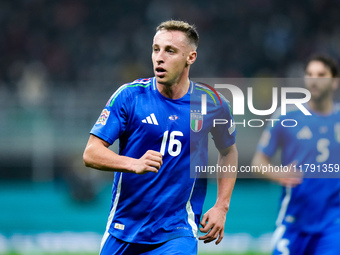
x,y
207,227
291,182
204,220
153,157
214,236
154,153
220,237
151,169
213,233
296,181
153,163
205,238
294,163
217,233
146,170
208,240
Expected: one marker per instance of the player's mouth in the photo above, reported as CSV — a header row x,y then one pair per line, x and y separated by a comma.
x,y
160,72
314,88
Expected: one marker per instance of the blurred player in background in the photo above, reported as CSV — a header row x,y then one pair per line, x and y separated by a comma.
x,y
156,205
309,218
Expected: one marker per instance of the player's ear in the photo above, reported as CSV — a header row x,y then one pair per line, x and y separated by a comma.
x,y
191,57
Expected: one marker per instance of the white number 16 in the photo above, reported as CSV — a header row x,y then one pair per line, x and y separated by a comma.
x,y
172,149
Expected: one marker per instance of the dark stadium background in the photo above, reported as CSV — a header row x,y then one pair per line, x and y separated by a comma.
x,y
61,60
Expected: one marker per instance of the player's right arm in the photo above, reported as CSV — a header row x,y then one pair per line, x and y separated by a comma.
x,y
262,161
271,139
98,156
110,125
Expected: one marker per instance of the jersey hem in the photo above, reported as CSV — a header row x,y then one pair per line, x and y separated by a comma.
x,y
130,240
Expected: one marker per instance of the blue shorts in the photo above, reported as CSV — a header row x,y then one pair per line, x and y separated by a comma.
x,y
299,243
177,246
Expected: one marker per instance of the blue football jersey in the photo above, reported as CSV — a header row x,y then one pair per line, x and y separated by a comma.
x,y
154,208
314,143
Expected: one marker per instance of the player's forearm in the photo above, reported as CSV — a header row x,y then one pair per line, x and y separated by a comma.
x,y
102,158
286,178
226,181
224,191
261,161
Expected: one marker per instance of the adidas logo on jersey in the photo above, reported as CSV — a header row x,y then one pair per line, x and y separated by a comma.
x,y
151,119
304,133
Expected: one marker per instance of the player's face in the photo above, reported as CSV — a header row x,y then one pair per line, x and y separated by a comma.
x,y
171,56
319,80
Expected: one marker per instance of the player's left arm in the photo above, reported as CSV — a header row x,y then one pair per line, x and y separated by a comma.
x,y
213,221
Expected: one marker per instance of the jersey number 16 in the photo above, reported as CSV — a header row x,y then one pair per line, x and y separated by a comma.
x,y
175,146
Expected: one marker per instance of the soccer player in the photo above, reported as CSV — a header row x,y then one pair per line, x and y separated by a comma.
x,y
156,199
309,218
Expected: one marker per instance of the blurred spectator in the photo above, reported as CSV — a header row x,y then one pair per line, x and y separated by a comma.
x,y
88,40
32,86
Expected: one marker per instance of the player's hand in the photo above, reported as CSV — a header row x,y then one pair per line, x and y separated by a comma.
x,y
151,161
289,182
292,178
213,224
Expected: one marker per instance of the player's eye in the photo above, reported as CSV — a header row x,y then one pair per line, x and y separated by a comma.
x,y
155,49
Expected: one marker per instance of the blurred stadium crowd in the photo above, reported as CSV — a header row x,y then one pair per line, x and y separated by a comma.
x,y
61,59
111,40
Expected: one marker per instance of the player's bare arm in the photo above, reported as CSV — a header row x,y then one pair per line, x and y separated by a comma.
x,y
289,179
213,221
98,155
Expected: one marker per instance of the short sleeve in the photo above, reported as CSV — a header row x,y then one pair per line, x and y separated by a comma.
x,y
113,119
224,135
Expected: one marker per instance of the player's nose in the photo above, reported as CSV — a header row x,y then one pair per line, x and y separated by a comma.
x,y
159,57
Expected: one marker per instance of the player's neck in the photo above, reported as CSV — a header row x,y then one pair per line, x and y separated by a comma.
x,y
176,90
322,107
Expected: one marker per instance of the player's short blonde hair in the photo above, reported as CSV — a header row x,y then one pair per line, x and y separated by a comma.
x,y
178,25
